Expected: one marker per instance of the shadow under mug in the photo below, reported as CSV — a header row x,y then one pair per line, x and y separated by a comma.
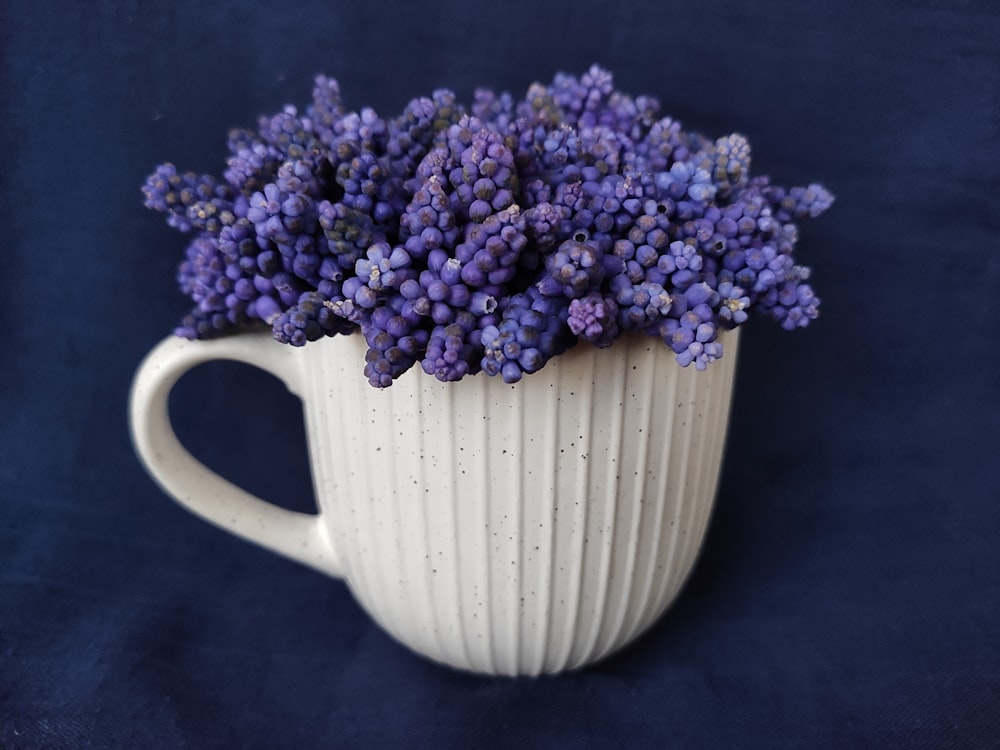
x,y
501,529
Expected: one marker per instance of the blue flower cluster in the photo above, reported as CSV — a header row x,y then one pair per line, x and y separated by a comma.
x,y
489,238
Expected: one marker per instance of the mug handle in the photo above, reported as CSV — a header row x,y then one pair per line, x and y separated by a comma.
x,y
300,536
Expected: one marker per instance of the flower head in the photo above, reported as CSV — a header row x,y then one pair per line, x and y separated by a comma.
x,y
491,237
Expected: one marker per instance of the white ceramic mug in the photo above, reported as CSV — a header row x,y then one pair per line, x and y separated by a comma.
x,y
503,529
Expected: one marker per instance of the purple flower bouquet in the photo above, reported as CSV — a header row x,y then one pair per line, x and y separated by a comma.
x,y
491,237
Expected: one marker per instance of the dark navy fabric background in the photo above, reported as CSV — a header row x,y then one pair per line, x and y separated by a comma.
x,y
848,593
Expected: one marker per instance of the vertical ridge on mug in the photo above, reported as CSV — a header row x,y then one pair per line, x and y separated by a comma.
x,y
449,529
575,561
429,544
640,374
521,610
487,441
542,474
693,486
598,438
699,514
392,413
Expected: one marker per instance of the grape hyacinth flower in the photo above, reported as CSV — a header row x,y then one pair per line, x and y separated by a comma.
x,y
531,331
594,319
490,237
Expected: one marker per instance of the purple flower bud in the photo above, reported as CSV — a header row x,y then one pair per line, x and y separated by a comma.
x,y
481,303
267,308
245,289
459,296
437,290
411,289
473,276
451,271
441,313
365,297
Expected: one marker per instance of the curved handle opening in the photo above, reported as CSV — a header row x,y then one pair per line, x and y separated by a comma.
x,y
300,536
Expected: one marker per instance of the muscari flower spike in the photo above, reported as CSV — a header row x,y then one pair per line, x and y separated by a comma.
x,y
488,238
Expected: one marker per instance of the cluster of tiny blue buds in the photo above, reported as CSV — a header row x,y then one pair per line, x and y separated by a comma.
x,y
490,238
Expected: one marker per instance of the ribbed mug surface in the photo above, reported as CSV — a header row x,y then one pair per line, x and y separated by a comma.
x,y
518,529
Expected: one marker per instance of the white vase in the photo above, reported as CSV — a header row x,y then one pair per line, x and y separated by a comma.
x,y
503,529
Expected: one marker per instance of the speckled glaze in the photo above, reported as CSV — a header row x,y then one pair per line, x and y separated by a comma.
x,y
503,529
